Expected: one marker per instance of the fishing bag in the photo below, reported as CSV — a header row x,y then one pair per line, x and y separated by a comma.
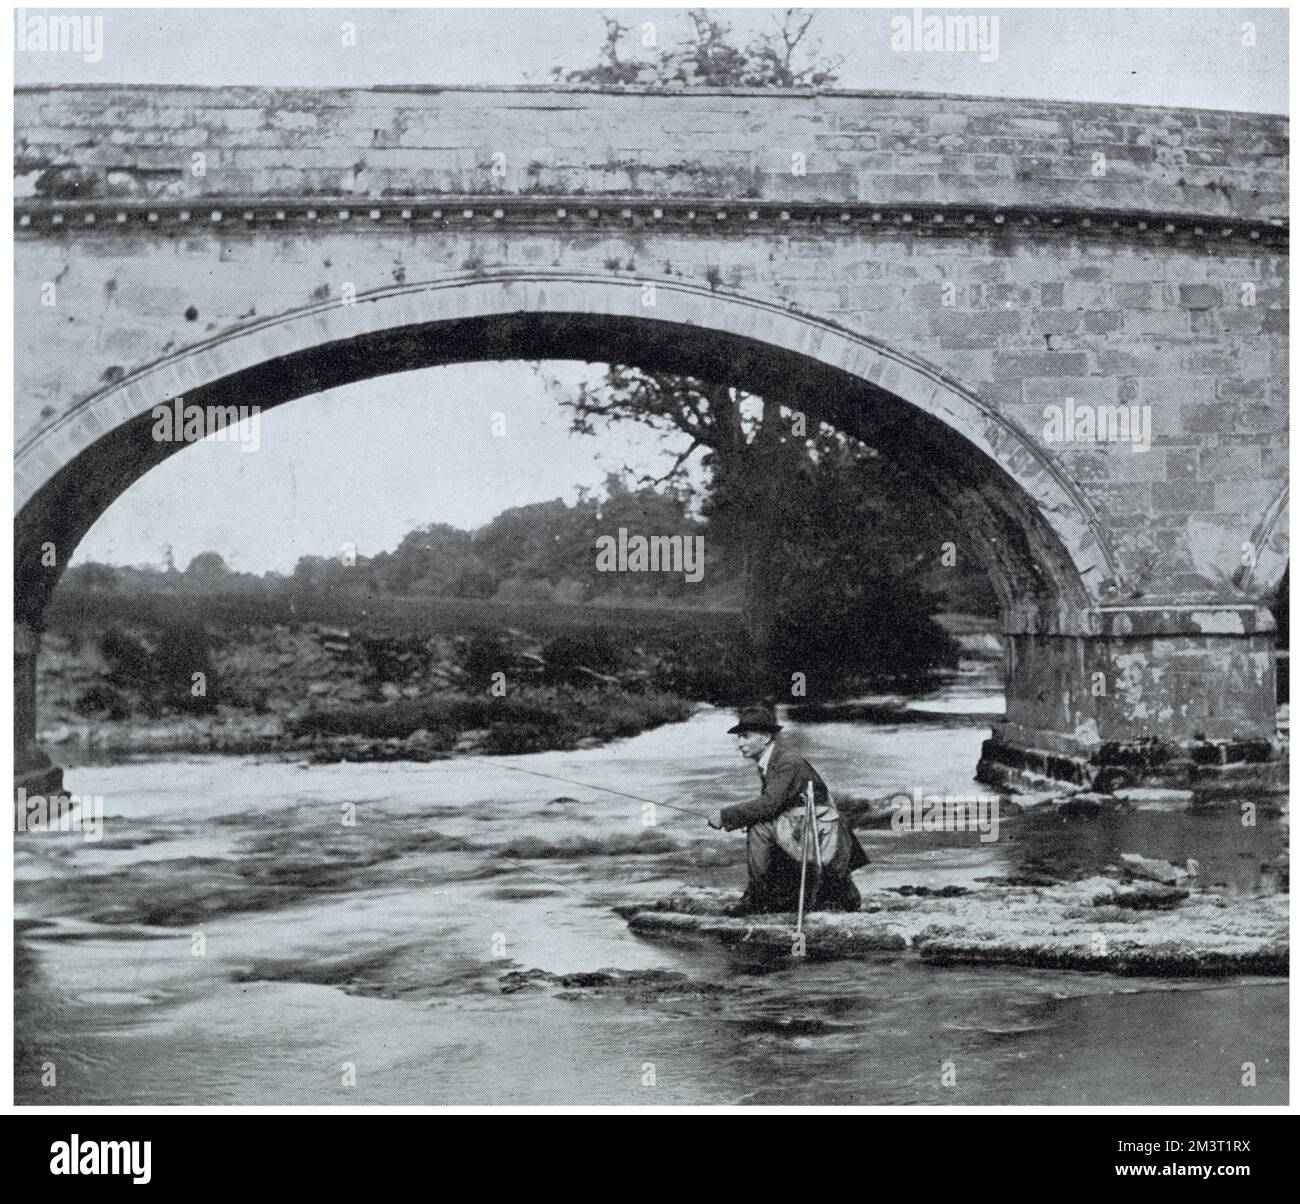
x,y
791,825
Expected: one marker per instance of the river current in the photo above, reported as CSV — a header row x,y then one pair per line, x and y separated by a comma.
x,y
258,931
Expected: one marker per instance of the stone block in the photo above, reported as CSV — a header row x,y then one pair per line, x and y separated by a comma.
x,y
1199,296
1178,391
1182,496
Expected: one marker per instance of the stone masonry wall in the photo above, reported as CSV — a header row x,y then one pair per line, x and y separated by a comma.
x,y
1191,325
856,147
1029,326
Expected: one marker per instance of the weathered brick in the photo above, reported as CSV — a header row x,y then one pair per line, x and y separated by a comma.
x,y
1132,463
1050,322
998,322
1136,296
1242,496
1102,322
1231,463
1151,322
1178,390
1181,464
1210,419
1199,296
1092,390
1051,363
1231,391
1182,496
1085,296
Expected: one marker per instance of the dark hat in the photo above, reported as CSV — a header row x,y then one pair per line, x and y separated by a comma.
x,y
755,719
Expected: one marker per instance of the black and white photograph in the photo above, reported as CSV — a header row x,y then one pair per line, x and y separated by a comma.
x,y
660,558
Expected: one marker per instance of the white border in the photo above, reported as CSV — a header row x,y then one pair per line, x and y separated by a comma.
x,y
6,766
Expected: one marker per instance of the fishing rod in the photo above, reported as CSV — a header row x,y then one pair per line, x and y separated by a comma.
x,y
871,804
555,777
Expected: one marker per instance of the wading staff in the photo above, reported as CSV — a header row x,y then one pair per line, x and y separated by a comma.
x,y
810,826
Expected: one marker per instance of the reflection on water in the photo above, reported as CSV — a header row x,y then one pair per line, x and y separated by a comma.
x,y
263,932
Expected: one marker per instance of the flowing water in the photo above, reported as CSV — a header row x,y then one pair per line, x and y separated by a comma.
x,y
265,932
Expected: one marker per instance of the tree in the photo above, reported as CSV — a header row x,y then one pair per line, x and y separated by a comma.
x,y
809,519
740,441
206,569
707,57
438,559
93,577
320,574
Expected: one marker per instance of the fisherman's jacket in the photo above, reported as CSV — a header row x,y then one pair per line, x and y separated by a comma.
x,y
784,783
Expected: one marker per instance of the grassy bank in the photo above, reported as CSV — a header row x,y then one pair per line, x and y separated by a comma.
x,y
536,720
361,676
368,679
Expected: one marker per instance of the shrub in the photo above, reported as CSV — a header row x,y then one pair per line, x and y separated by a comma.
x,y
100,698
716,667
128,660
485,655
505,738
567,655
880,633
184,650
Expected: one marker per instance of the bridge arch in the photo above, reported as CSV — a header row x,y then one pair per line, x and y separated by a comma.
x,y
1026,520
1139,638
1270,547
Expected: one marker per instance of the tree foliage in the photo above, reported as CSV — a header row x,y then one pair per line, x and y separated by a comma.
x,y
828,540
708,56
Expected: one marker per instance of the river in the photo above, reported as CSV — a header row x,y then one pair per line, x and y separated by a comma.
x,y
257,931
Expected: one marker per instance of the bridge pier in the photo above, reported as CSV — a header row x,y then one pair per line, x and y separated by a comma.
x,y
1146,694
33,769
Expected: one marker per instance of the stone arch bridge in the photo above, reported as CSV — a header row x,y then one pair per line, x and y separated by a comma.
x,y
933,274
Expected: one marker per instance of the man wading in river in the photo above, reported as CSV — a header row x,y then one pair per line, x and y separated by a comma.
x,y
775,842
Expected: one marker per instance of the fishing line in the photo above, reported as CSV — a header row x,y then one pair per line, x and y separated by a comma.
x,y
555,777
498,763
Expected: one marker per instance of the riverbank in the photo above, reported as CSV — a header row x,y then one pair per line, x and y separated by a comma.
x,y
409,680
419,730
397,686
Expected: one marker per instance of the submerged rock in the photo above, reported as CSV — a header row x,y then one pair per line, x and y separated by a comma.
x,y
1154,796
1278,871
1086,805
1144,896
644,985
826,934
1157,870
1095,924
